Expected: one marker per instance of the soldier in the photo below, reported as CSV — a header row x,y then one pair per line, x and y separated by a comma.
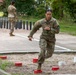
x,y
12,16
50,27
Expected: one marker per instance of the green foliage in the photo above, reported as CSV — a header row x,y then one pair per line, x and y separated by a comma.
x,y
40,11
26,6
37,8
17,74
57,6
63,6
23,74
4,6
71,7
4,64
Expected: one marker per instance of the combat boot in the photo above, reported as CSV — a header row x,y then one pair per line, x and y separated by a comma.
x,y
38,69
39,66
11,34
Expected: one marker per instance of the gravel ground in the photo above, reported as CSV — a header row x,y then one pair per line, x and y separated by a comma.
x,y
28,66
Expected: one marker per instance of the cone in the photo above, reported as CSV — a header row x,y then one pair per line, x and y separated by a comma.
x,y
35,60
37,71
55,68
3,57
18,64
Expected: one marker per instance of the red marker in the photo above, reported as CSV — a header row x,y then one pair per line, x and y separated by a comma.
x,y
37,71
3,57
55,68
35,60
19,64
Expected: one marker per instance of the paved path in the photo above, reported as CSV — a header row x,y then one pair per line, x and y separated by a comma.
x,y
20,43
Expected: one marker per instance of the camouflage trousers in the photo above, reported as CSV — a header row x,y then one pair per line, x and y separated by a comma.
x,y
12,24
47,49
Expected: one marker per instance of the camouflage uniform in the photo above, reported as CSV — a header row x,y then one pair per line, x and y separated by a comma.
x,y
47,38
12,17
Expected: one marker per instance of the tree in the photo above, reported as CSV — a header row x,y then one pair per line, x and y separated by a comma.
x,y
38,7
63,6
25,6
71,8
58,8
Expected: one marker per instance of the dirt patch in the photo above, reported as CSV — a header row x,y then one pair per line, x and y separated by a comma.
x,y
28,66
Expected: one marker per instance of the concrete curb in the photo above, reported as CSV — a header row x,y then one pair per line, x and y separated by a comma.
x,y
23,52
2,72
65,51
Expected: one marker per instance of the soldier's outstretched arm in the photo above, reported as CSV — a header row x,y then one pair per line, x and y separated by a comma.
x,y
36,27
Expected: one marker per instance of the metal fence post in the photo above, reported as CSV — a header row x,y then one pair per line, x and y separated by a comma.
x,y
23,24
16,25
1,23
30,25
27,25
6,24
20,24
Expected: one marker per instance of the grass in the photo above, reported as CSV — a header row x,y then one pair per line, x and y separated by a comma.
x,y
66,26
33,19
4,64
28,74
17,74
22,74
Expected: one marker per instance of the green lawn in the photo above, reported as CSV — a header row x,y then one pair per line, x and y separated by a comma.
x,y
65,26
33,19
68,27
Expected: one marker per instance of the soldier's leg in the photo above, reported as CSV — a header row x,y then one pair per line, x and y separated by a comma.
x,y
50,49
41,58
12,25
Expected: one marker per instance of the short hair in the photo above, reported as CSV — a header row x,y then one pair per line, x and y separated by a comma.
x,y
48,10
12,2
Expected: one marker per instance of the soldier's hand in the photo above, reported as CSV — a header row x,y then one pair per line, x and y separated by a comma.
x,y
30,38
47,28
16,19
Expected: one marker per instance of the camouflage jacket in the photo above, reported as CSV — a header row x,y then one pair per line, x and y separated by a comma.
x,y
46,34
11,11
